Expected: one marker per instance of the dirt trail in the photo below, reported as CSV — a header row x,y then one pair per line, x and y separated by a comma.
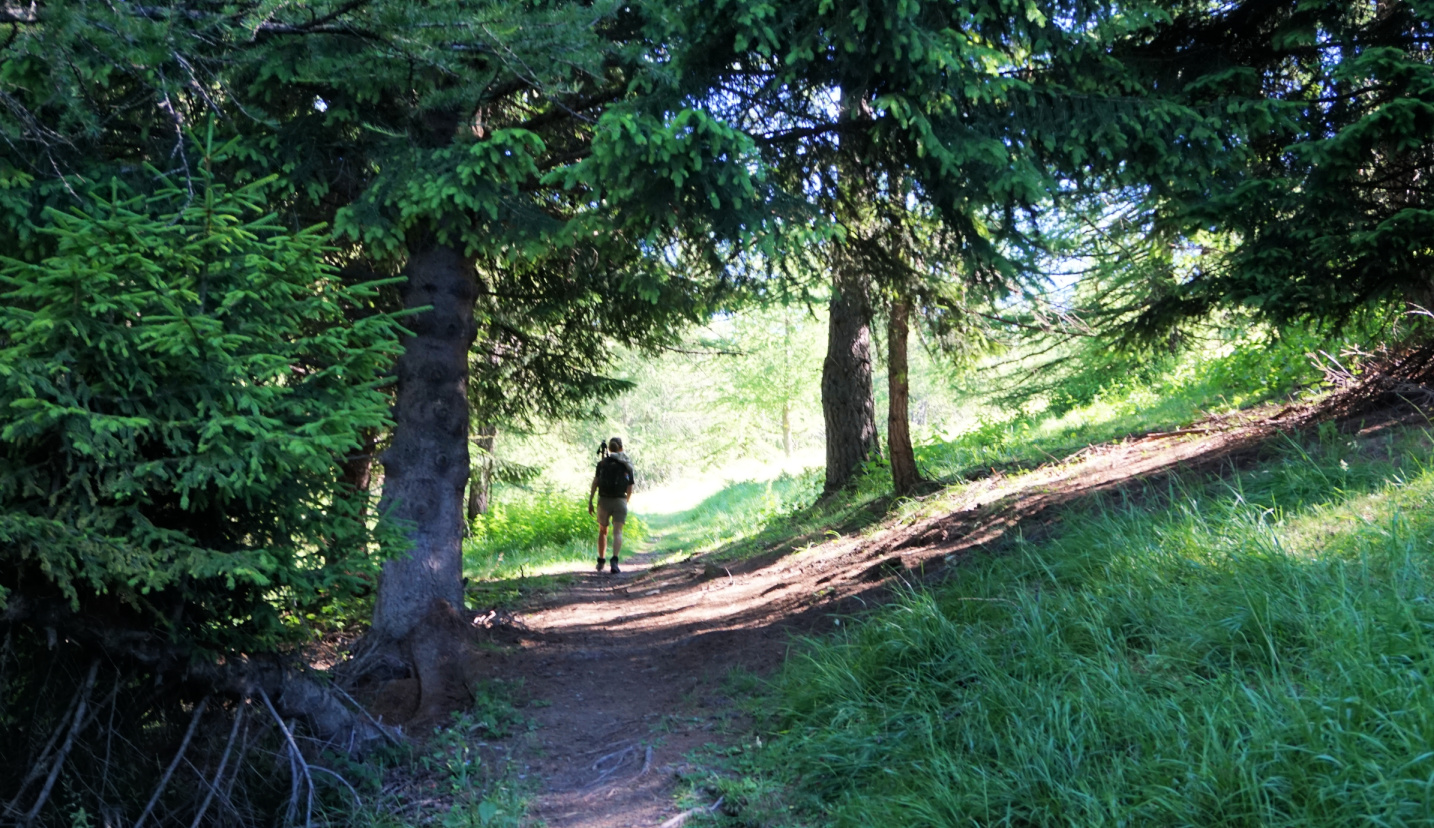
x,y
631,667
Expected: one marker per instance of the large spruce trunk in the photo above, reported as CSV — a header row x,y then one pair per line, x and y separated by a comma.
x,y
904,475
848,406
426,466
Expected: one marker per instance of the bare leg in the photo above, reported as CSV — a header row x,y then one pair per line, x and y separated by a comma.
x,y
602,542
616,540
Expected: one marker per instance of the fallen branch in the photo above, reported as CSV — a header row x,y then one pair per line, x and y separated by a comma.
x,y
173,763
77,725
296,760
223,763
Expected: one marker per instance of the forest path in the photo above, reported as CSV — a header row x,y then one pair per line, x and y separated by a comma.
x,y
629,671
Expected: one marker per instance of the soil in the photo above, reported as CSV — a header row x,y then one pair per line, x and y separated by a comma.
x,y
629,673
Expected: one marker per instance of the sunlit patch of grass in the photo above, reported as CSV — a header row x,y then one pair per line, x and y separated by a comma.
x,y
1249,650
535,533
1184,389
738,511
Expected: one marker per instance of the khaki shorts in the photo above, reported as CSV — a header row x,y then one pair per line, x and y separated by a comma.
x,y
612,508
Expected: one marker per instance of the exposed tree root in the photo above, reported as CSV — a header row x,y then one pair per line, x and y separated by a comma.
x,y
681,819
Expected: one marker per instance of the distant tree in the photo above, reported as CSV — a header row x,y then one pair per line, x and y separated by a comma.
x,y
769,383
969,113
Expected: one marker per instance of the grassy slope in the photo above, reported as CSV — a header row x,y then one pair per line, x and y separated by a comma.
x,y
1252,650
1249,648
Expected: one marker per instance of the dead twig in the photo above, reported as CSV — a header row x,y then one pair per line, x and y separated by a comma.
x,y
1157,435
173,763
223,763
358,800
40,765
296,761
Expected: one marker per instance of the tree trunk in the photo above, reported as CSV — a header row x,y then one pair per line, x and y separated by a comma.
x,y
426,467
904,475
357,469
353,499
848,406
480,488
787,428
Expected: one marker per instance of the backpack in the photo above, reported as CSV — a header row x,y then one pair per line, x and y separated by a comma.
x,y
613,477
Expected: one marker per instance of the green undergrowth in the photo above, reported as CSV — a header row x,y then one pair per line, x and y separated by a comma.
x,y
528,531
457,775
1255,648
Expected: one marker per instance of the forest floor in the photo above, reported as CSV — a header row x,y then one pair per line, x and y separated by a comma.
x,y
629,674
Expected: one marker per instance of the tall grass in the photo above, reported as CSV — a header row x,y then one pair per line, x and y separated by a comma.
x,y
530,530
1257,650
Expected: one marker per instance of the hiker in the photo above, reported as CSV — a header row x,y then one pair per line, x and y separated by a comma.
x,y
613,485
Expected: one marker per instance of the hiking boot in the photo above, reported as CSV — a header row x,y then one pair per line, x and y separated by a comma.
x,y
601,561
614,569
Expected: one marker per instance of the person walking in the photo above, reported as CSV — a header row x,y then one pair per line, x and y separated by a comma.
x,y
612,483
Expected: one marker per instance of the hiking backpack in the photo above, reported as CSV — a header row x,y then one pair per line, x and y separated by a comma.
x,y
613,477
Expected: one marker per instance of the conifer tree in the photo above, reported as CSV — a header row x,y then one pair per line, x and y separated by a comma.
x,y
873,110
491,149
1294,187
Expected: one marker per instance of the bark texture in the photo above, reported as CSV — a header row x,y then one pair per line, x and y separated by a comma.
x,y
904,475
426,466
848,406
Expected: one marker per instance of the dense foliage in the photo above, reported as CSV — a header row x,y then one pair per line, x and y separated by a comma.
x,y
1299,191
178,385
